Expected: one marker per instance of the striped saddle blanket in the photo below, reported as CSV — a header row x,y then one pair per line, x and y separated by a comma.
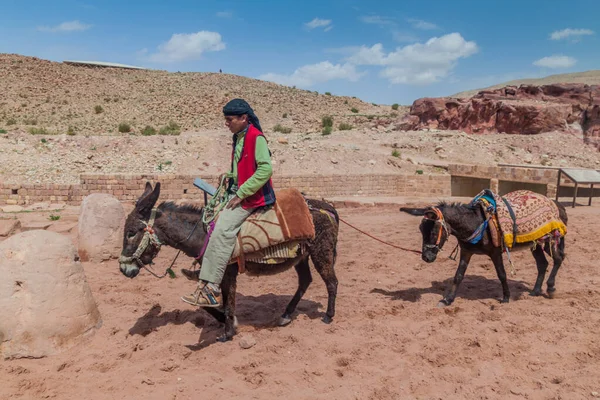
x,y
277,232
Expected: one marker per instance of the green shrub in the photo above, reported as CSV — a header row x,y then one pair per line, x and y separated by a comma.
x,y
98,109
354,110
124,127
395,106
171,129
327,130
327,121
345,127
148,131
38,131
282,129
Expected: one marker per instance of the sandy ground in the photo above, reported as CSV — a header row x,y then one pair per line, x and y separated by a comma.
x,y
388,339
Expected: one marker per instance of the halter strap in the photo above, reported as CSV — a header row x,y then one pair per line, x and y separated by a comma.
x,y
442,222
150,238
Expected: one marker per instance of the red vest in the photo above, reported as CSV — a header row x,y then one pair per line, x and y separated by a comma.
x,y
246,167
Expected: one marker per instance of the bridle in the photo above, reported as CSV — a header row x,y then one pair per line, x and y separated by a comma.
x,y
149,239
440,222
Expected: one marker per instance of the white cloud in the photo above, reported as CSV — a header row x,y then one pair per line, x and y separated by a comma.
x,y
188,46
224,14
424,25
368,55
556,61
566,33
309,75
319,23
376,20
70,26
419,63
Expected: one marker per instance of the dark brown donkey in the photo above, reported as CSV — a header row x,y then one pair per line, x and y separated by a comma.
x,y
461,221
147,228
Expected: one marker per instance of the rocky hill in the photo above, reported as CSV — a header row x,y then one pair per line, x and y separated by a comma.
x,y
47,98
50,97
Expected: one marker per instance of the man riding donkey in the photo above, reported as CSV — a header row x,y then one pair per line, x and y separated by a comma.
x,y
249,187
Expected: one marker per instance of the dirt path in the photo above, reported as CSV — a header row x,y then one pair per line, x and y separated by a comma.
x,y
388,340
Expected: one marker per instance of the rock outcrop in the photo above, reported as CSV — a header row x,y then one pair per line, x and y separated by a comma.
x,y
524,110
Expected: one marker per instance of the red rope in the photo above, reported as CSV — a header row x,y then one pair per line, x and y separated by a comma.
x,y
379,240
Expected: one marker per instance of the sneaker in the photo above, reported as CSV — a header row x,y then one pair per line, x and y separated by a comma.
x,y
203,296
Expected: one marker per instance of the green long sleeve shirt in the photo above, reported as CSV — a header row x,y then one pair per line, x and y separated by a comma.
x,y
264,169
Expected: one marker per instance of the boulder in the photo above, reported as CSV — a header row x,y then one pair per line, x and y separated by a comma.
x,y
9,226
12,209
100,228
46,305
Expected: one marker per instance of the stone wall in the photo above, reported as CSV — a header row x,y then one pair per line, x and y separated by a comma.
x,y
463,180
176,187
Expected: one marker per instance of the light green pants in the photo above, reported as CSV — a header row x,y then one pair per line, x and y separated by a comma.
x,y
221,243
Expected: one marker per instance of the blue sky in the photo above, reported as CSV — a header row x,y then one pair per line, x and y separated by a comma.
x,y
380,51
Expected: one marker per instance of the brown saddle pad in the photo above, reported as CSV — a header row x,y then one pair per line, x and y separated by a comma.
x,y
288,219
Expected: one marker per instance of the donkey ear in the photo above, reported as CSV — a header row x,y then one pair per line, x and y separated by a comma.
x,y
147,191
145,204
414,211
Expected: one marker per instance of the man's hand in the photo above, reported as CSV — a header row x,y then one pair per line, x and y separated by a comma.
x,y
234,202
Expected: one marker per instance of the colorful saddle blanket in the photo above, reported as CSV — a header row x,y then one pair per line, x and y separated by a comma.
x,y
275,232
523,216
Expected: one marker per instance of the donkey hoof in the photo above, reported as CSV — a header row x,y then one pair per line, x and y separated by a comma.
x,y
327,319
442,304
535,293
504,301
551,292
284,320
224,338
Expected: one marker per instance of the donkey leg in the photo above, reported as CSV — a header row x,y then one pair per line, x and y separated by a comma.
x,y
324,261
448,299
558,257
228,289
304,280
501,272
542,265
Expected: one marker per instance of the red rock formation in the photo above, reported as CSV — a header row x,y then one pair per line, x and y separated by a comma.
x,y
518,110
